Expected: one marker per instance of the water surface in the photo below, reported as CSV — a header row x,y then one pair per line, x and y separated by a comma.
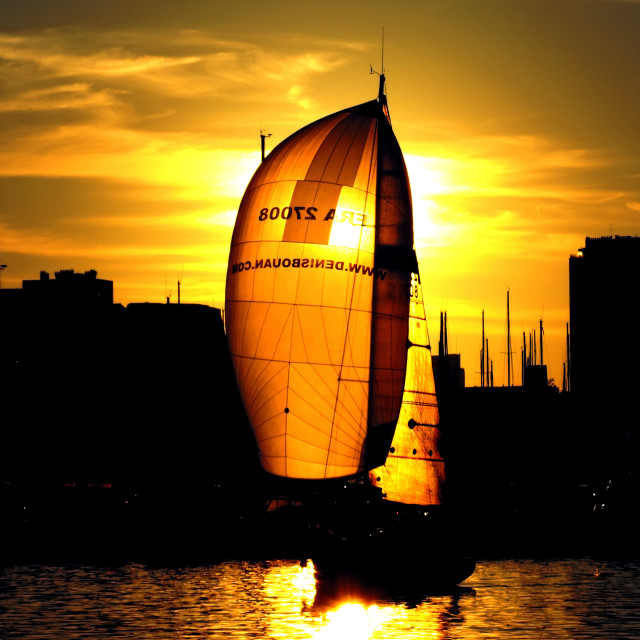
x,y
523,599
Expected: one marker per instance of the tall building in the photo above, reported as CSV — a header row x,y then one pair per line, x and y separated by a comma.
x,y
603,302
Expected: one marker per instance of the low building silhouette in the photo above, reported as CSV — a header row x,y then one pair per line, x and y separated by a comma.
x,y
112,413
96,392
69,289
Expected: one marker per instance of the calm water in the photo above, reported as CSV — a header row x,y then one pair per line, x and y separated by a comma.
x,y
280,599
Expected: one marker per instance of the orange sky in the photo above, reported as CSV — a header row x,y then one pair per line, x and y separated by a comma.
x,y
129,131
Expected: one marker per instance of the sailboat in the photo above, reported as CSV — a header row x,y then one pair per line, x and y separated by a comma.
x,y
328,336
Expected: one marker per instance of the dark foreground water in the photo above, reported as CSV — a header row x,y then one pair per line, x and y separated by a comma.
x,y
561,598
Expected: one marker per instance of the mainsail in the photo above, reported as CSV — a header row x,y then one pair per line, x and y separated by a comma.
x,y
318,298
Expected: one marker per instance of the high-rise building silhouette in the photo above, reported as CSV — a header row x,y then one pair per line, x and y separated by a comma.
x,y
603,283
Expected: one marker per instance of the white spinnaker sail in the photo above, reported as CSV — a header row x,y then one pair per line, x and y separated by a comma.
x,y
317,295
414,471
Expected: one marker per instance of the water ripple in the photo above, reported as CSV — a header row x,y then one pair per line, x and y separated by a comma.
x,y
504,600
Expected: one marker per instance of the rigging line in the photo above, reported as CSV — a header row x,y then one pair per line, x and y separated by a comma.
x,y
417,459
256,408
264,371
301,362
250,373
288,320
307,304
323,379
351,421
320,399
320,306
420,407
307,442
254,390
268,419
306,461
356,420
257,394
305,421
353,447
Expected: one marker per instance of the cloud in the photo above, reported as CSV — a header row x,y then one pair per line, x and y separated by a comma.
x,y
124,147
123,63
129,132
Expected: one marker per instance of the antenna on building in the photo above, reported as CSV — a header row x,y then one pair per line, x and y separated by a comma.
x,y
443,344
446,335
2,268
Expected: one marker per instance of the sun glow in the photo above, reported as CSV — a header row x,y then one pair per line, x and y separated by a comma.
x,y
352,621
429,176
435,183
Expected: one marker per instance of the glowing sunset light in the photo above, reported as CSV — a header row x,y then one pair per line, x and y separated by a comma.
x,y
128,140
352,621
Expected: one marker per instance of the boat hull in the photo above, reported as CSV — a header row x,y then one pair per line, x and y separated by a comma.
x,y
396,559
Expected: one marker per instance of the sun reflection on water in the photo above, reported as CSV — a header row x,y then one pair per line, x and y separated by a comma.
x,y
301,605
351,621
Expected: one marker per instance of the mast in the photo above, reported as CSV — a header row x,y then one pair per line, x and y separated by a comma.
x,y
482,352
491,375
382,98
541,351
508,343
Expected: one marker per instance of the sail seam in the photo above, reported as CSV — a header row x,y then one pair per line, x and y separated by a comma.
x,y
372,175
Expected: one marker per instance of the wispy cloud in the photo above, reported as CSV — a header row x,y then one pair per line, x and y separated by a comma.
x,y
119,66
